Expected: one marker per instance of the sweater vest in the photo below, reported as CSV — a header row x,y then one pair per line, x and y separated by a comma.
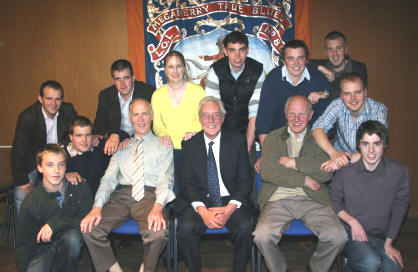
x,y
236,94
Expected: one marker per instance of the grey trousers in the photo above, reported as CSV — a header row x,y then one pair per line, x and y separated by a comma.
x,y
120,208
320,219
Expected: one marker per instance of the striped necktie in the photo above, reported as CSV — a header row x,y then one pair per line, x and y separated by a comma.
x,y
138,171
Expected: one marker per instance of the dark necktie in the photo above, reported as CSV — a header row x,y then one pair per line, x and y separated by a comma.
x,y
213,181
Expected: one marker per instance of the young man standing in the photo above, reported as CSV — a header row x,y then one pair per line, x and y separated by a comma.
x,y
48,236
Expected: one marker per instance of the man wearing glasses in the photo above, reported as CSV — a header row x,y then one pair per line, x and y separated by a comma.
x,y
112,114
215,188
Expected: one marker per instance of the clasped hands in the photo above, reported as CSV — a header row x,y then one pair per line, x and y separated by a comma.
x,y
216,217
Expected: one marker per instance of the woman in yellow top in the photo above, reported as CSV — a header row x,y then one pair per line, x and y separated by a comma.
x,y
175,107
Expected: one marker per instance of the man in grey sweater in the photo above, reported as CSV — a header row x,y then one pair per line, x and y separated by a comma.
x,y
371,197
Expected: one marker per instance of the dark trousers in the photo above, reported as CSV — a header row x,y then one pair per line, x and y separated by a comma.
x,y
191,227
61,254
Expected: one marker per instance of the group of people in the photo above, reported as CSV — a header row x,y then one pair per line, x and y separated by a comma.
x,y
322,143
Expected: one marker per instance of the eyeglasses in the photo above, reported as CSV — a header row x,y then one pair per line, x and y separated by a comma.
x,y
216,116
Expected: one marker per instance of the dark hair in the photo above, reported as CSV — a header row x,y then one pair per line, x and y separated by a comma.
x,y
333,35
121,65
52,84
372,127
352,77
296,44
236,37
80,121
50,148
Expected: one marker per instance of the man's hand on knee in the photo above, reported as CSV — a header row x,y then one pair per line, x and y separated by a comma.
x,y
44,234
155,218
93,218
393,253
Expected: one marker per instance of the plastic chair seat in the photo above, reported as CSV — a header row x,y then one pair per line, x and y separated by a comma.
x,y
297,227
130,227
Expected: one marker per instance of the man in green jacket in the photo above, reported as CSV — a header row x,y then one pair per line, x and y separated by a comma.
x,y
48,236
293,188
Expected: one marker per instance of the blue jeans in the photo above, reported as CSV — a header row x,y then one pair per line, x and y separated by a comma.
x,y
368,256
61,254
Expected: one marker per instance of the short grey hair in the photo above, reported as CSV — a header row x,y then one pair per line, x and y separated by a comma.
x,y
301,97
213,99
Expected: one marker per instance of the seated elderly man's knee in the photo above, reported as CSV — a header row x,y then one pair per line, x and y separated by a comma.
x,y
263,234
151,236
336,235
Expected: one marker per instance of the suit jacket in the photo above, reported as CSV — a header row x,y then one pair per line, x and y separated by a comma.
x,y
108,115
234,168
30,136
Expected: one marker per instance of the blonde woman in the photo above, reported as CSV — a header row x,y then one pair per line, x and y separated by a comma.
x,y
175,107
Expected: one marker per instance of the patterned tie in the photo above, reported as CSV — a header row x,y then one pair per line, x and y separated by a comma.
x,y
138,171
213,181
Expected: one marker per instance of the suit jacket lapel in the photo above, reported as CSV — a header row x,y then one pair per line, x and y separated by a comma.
x,y
223,157
116,104
42,124
202,159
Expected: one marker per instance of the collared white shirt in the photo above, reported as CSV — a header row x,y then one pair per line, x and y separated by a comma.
x,y
285,74
216,149
51,128
125,123
74,152
237,74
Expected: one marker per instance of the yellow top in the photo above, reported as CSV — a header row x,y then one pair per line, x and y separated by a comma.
x,y
176,121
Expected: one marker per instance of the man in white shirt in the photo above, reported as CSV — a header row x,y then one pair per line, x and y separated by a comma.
x,y
44,122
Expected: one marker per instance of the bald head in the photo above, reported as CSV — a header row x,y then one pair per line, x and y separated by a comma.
x,y
299,112
140,113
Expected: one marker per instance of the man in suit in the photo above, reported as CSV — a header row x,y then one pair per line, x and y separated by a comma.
x,y
215,187
44,122
112,114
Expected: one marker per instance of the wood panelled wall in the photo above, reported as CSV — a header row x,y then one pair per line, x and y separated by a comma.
x,y
75,42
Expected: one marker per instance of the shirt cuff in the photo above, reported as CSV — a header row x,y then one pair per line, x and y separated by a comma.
x,y
236,202
196,204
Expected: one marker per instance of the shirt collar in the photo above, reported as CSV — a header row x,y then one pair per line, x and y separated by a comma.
x,y
146,138
285,74
130,98
215,141
236,74
74,152
380,169
46,116
301,135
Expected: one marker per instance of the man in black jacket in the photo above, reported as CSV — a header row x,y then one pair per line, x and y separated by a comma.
x,y
216,185
112,114
46,121
338,63
48,236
